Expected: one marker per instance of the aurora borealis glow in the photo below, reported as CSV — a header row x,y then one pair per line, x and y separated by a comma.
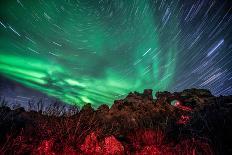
x,y
99,50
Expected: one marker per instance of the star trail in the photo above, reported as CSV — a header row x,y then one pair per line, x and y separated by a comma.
x,y
97,51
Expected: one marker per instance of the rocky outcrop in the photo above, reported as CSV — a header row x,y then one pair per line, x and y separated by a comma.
x,y
189,121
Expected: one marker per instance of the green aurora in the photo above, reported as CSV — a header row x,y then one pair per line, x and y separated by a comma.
x,y
82,51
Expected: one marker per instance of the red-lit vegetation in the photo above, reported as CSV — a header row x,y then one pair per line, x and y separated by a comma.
x,y
137,125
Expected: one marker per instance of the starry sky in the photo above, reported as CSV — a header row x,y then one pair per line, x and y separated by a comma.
x,y
96,51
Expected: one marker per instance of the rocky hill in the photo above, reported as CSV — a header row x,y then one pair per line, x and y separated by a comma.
x,y
189,122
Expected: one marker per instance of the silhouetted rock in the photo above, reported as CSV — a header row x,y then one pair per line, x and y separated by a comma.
x,y
148,94
137,124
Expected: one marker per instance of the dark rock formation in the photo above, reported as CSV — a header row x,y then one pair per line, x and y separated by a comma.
x,y
192,120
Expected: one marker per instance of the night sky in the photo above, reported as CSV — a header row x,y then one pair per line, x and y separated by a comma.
x,y
97,51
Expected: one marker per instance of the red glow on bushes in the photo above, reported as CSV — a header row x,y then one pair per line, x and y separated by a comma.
x,y
150,142
109,145
112,146
91,145
149,150
146,138
45,148
141,142
183,119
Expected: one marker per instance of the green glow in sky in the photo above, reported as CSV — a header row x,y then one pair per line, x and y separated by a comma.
x,y
85,51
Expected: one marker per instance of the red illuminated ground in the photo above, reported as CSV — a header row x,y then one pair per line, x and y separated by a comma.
x,y
190,122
